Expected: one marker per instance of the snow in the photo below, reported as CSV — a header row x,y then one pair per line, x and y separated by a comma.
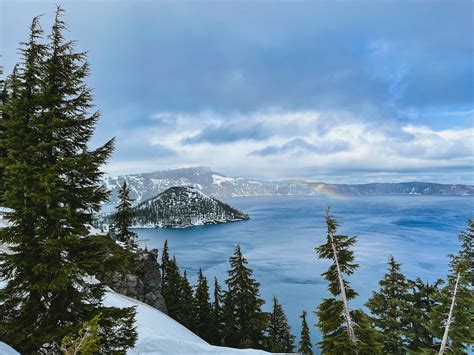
x,y
160,334
219,179
157,332
7,350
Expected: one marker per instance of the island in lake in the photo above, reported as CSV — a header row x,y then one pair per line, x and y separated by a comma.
x,y
182,207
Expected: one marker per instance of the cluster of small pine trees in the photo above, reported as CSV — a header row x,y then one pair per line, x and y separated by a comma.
x,y
50,185
233,317
406,316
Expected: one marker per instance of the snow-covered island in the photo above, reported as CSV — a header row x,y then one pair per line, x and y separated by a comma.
x,y
182,207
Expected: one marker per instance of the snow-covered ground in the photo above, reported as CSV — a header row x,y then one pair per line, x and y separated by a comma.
x,y
160,334
7,350
157,333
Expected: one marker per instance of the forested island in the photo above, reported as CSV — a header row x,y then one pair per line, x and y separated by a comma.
x,y
181,207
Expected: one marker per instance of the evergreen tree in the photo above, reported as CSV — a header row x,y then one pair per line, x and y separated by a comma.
x,y
390,308
123,218
86,342
452,317
6,91
422,302
305,346
244,320
344,331
186,313
203,316
54,189
165,260
172,289
280,339
217,315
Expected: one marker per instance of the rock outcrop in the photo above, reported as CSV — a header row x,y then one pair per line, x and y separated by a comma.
x,y
142,281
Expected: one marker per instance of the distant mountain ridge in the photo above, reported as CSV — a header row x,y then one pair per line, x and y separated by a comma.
x,y
146,185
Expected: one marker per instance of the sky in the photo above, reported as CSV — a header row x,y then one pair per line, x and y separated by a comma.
x,y
335,91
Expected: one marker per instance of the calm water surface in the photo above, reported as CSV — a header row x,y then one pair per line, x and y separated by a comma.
x,y
279,241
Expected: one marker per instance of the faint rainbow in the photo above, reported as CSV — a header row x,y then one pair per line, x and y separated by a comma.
x,y
320,189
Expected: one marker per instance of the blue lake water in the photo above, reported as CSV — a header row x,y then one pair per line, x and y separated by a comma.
x,y
279,242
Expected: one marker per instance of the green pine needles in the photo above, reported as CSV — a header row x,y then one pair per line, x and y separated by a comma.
x,y
452,316
305,346
280,339
245,322
54,188
123,218
344,331
390,308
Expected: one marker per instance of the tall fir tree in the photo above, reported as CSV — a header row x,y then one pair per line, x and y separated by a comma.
x,y
9,91
123,218
305,346
420,338
54,190
390,307
203,315
186,313
280,339
344,331
217,315
5,93
452,317
171,290
165,260
244,320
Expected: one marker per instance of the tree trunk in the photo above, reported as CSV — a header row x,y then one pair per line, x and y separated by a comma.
x,y
444,343
347,313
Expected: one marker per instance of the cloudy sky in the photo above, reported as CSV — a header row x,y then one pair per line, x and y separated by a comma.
x,y
352,91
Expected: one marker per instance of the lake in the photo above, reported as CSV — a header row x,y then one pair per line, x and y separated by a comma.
x,y
279,242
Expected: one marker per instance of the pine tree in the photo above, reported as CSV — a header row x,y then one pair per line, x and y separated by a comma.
x,y
171,290
244,320
87,341
217,315
305,346
123,218
165,260
390,308
6,91
203,315
344,331
452,317
421,303
280,339
54,189
186,313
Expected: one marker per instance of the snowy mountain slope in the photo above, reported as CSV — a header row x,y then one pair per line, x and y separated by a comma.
x,y
157,333
160,334
147,185
180,207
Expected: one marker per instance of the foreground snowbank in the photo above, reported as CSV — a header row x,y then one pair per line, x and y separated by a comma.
x,y
157,333
160,334
7,350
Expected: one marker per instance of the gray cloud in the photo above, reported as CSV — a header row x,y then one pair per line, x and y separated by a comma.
x,y
299,145
229,133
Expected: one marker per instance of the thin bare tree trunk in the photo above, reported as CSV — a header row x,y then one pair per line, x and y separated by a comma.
x,y
444,343
347,313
